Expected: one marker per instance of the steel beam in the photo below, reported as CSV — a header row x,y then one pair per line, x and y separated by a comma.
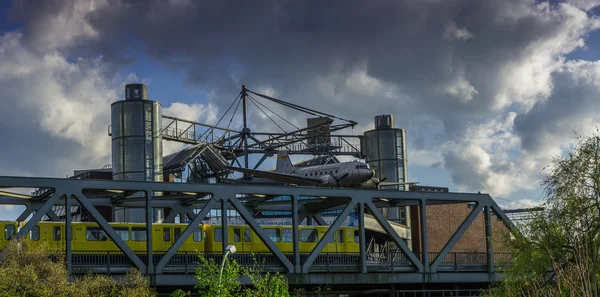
x,y
111,232
224,225
295,235
52,215
261,234
68,234
392,233
488,239
423,229
197,219
456,236
149,220
328,237
24,215
38,215
319,219
362,238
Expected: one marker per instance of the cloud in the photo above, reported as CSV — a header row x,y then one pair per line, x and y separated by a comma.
x,y
469,80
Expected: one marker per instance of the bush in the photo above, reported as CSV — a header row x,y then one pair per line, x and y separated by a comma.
x,y
39,270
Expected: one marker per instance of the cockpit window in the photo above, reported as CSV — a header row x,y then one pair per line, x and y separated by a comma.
x,y
362,166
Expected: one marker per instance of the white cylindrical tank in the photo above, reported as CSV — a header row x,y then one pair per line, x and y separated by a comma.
x,y
385,152
136,142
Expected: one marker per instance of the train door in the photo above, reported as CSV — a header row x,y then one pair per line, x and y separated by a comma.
x,y
9,230
340,241
242,239
167,238
58,237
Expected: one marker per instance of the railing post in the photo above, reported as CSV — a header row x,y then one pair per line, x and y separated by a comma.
x,y
455,263
108,263
187,256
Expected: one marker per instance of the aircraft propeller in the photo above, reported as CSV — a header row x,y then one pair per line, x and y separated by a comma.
x,y
378,181
338,181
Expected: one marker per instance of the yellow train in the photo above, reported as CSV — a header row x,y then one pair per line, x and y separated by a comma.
x,y
205,238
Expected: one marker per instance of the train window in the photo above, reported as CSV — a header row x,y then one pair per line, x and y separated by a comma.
x,y
341,236
123,232
197,235
95,234
56,233
356,237
247,236
166,234
9,231
274,234
287,235
138,234
309,235
237,235
34,234
176,233
218,235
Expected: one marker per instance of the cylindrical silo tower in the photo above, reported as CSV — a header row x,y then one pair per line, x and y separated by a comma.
x,y
385,152
136,142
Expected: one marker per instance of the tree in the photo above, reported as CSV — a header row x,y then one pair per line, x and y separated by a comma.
x,y
211,283
558,254
38,270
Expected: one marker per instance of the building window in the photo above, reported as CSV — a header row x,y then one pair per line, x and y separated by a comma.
x,y
403,215
34,234
138,234
95,234
309,235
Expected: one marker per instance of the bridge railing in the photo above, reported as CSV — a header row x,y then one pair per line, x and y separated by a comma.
x,y
187,262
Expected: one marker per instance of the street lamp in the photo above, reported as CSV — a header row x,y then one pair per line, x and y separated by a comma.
x,y
229,249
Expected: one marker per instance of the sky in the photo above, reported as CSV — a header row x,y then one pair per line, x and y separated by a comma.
x,y
488,91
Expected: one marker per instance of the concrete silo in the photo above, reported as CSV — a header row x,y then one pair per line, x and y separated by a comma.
x,y
385,149
136,143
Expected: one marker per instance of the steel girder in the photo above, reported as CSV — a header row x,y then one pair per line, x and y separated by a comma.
x,y
227,194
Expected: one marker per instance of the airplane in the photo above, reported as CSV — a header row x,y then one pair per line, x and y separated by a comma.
x,y
343,174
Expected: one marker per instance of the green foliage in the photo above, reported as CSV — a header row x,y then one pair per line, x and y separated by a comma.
x,y
558,253
210,283
38,270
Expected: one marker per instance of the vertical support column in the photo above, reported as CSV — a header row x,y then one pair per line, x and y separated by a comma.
x,y
224,231
362,238
245,131
423,227
149,220
488,239
68,235
295,236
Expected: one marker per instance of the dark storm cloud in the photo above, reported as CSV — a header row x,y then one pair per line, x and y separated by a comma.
x,y
441,67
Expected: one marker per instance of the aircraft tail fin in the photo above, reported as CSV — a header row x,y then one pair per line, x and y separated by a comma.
x,y
284,164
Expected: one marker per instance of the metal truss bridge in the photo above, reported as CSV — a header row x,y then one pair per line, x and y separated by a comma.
x,y
171,268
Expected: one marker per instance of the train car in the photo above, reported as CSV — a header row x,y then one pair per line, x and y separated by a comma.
x,y
246,241
9,230
91,237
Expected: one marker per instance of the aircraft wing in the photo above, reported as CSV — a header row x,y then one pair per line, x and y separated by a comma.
x,y
282,177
